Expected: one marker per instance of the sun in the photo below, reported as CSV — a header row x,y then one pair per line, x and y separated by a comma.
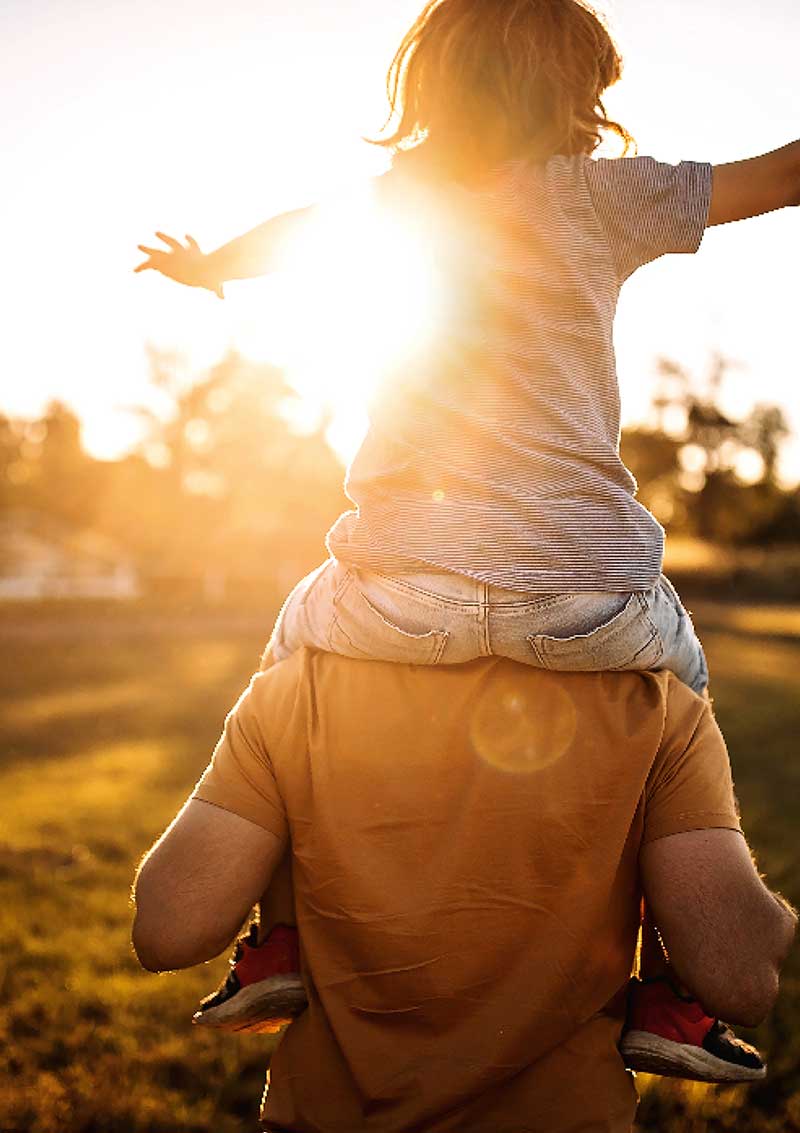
x,y
357,296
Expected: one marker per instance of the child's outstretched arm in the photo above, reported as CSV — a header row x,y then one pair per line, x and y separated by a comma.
x,y
254,253
761,184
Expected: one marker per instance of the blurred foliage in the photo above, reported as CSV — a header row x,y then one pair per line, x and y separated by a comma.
x,y
706,475
99,751
222,486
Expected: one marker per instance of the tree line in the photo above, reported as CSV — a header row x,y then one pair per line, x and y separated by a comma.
x,y
224,482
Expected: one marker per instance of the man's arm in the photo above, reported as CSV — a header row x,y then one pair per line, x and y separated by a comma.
x,y
197,884
727,936
761,184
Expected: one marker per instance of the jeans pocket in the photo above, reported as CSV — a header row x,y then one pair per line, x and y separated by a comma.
x,y
365,624
628,640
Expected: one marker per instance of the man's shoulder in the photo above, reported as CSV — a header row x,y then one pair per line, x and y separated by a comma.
x,y
310,681
684,708
646,691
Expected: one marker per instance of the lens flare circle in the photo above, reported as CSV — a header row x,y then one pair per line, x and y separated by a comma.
x,y
523,727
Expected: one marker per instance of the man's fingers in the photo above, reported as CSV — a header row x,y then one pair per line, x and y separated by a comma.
x,y
150,251
171,241
143,266
190,240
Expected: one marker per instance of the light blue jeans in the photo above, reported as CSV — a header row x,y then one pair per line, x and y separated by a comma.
x,y
432,618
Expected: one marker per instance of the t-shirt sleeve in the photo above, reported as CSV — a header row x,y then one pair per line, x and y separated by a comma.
x,y
240,777
690,785
647,209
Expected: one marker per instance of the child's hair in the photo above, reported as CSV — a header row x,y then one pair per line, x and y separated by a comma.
x,y
480,81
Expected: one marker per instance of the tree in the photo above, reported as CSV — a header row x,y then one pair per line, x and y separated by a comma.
x,y
240,491
701,471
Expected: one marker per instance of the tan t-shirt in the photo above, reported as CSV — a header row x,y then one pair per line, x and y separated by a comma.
x,y
464,847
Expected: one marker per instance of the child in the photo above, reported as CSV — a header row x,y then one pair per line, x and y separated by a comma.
x,y
494,515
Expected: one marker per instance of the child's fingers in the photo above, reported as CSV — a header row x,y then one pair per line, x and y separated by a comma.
x,y
150,251
171,241
143,266
190,240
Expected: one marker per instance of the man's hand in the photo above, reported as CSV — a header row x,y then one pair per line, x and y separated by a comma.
x,y
186,265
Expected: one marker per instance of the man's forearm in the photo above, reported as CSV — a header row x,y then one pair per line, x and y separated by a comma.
x,y
255,252
785,922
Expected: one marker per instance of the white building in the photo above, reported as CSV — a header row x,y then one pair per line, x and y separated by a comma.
x,y
42,559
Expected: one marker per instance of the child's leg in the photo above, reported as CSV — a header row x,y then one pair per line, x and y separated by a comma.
x,y
340,610
668,1031
263,980
683,654
277,903
306,615
335,609
329,610
263,990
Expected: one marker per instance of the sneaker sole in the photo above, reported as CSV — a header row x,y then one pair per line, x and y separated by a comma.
x,y
261,1008
654,1055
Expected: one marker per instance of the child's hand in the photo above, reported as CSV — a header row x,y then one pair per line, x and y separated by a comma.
x,y
185,265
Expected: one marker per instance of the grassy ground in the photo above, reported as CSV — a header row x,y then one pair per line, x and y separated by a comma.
x,y
106,722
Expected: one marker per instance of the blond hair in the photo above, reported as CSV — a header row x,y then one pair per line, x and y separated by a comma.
x,y
476,82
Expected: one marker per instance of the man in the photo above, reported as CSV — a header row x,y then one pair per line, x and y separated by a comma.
x,y
470,846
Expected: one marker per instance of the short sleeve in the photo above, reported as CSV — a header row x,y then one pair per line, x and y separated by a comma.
x,y
240,776
690,785
648,209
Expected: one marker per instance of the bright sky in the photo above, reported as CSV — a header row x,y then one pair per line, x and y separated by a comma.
x,y
122,118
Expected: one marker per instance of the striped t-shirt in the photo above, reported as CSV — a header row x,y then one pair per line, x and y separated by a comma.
x,y
496,453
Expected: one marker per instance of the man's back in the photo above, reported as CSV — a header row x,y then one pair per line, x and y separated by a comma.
x,y
465,845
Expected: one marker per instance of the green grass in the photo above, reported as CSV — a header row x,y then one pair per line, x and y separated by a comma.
x,y
103,735
106,723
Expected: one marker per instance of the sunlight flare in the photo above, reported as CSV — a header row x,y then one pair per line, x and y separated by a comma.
x,y
357,296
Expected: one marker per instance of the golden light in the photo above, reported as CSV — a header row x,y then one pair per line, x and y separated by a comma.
x,y
356,297
523,728
749,466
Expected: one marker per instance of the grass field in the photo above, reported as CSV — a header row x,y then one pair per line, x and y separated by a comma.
x,y
107,720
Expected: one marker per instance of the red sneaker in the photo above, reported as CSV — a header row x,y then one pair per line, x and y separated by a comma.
x,y
667,1033
263,991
